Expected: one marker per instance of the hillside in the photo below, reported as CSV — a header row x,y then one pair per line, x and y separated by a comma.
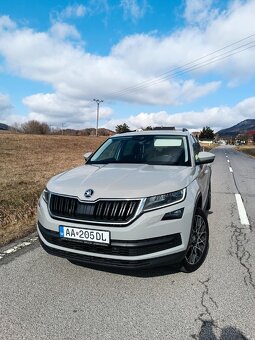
x,y
4,126
240,128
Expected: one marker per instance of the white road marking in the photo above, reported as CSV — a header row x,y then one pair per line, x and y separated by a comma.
x,y
228,160
230,169
241,209
18,247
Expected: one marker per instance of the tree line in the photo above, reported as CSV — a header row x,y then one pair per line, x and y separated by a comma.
x,y
39,128
205,134
36,127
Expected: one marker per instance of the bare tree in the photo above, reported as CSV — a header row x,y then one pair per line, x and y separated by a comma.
x,y
35,127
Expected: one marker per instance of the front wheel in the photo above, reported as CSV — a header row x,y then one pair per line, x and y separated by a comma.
x,y
198,243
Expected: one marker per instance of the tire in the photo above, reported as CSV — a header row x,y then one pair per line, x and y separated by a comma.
x,y
198,243
209,198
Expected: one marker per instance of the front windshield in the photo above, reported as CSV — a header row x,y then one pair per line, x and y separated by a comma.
x,y
150,149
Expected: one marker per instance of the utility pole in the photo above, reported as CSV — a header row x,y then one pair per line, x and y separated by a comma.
x,y
98,101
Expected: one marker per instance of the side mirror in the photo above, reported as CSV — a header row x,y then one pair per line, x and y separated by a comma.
x,y
87,156
204,157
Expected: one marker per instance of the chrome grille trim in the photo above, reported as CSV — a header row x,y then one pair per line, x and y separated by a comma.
x,y
117,212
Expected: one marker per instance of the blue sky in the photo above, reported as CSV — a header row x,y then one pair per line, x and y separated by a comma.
x,y
55,57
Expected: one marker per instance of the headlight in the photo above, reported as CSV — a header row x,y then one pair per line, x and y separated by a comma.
x,y
46,195
160,201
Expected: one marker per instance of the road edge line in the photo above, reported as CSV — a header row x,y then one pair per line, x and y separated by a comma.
x,y
241,209
17,247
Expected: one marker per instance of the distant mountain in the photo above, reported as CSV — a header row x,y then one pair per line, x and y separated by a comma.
x,y
4,126
240,128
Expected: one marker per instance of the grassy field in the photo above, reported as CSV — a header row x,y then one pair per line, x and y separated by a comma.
x,y
27,163
249,149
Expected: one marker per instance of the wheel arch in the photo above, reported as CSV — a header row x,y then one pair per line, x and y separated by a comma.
x,y
198,202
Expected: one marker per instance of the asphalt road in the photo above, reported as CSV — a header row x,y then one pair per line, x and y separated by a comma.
x,y
45,297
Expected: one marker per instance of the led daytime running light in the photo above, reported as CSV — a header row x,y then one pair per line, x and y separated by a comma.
x,y
158,201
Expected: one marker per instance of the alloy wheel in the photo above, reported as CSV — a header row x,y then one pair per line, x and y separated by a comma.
x,y
198,241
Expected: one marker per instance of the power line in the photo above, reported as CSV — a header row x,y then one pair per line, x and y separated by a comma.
x,y
188,69
182,70
190,66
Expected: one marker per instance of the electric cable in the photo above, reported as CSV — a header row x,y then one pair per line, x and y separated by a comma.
x,y
190,66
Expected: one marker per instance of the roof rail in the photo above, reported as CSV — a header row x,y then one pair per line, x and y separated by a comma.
x,y
164,128
170,128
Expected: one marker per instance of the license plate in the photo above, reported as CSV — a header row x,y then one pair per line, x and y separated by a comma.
x,y
87,235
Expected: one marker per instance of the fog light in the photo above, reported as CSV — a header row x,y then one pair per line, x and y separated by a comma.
x,y
173,215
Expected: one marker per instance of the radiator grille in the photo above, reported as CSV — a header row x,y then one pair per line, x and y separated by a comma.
x,y
101,211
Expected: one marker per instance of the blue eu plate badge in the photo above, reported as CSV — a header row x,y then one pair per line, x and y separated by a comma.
x,y
61,231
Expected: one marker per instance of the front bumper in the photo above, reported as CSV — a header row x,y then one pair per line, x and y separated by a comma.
x,y
148,241
112,262
117,247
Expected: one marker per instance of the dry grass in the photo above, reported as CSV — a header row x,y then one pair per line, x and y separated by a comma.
x,y
249,149
27,163
208,147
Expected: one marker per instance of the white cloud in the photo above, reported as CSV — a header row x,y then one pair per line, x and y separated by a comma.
x,y
147,52
6,23
7,112
215,117
62,31
55,108
246,108
77,76
73,11
5,103
134,10
191,91
199,12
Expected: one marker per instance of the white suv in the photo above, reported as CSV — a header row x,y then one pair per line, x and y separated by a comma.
x,y
139,201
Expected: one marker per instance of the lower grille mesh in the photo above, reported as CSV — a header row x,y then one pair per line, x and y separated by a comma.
x,y
119,248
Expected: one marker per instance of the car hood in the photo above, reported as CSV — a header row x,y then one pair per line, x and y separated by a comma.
x,y
121,180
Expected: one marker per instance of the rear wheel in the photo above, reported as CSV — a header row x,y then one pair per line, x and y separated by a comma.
x,y
198,243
